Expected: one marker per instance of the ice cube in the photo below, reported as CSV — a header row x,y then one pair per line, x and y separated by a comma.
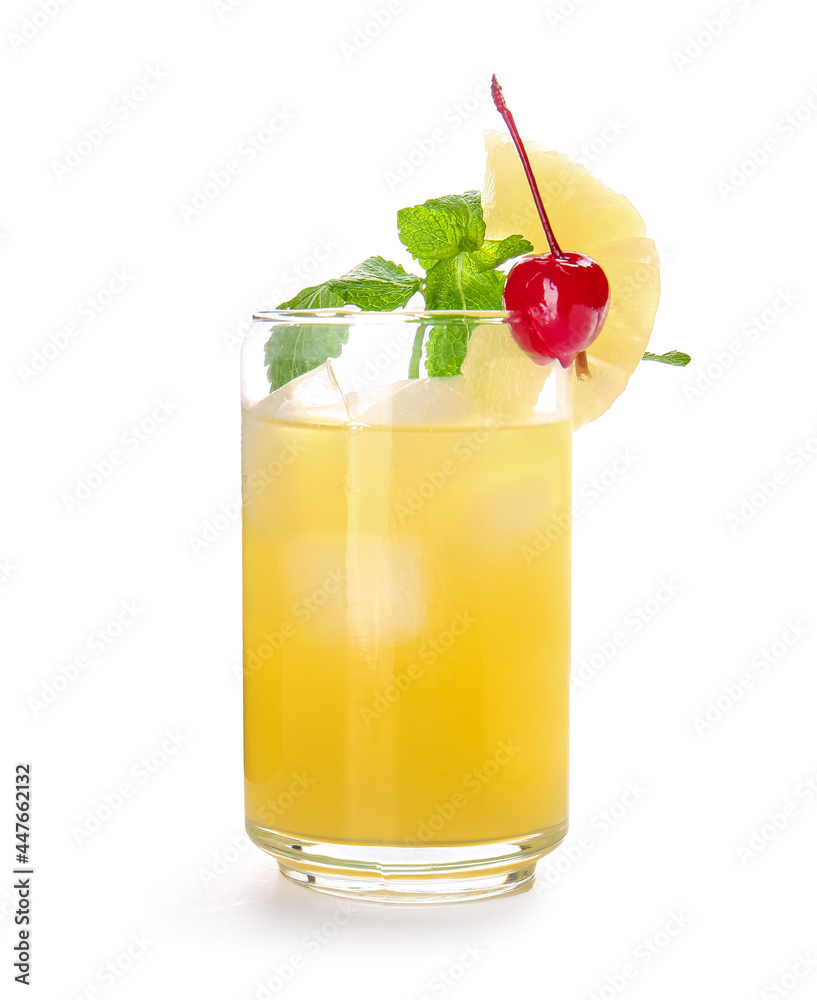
x,y
311,398
357,403
426,402
362,588
386,593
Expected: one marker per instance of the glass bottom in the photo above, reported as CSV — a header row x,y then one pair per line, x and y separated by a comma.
x,y
428,874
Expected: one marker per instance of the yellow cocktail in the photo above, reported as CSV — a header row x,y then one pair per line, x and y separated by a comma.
x,y
406,633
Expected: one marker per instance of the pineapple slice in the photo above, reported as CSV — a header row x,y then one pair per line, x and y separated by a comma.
x,y
590,218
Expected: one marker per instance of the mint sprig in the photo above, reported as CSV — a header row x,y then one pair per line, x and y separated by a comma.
x,y
446,236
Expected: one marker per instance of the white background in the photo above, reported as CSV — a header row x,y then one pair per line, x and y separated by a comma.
x,y
685,123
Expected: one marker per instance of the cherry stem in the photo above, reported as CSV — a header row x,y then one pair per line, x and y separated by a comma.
x,y
507,117
582,367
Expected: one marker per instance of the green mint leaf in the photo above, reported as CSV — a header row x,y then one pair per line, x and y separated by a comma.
x,y
445,351
380,285
294,350
316,297
670,358
376,284
492,253
441,228
460,283
447,235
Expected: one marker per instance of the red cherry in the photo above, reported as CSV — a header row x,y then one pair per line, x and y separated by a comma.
x,y
560,299
563,302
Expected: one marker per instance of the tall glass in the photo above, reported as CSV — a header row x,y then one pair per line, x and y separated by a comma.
x,y
406,601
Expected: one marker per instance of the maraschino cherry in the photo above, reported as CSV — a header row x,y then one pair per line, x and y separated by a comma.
x,y
560,298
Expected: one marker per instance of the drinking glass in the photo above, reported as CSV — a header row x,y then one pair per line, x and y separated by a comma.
x,y
406,539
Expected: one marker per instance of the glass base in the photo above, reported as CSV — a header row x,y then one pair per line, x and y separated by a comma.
x,y
428,874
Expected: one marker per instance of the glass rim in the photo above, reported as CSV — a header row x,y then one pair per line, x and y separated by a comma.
x,y
371,315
